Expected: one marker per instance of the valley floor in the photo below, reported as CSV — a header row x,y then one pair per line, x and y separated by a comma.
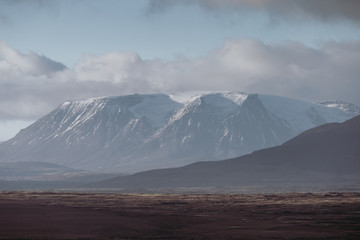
x,y
59,215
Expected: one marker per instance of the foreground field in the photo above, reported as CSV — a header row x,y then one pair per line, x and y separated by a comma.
x,y
50,215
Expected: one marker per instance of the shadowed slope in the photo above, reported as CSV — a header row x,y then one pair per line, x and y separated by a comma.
x,y
325,155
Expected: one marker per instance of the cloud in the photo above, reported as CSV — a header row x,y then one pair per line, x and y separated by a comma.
x,y
14,62
288,9
32,85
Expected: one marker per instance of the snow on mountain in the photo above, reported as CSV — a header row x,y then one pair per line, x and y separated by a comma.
x,y
302,115
140,132
348,108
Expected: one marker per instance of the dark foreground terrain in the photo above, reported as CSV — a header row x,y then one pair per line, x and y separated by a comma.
x,y
51,215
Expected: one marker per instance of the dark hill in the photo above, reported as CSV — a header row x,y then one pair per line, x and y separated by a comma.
x,y
325,155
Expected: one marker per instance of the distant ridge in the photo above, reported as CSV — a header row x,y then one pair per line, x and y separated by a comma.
x,y
348,108
26,170
327,155
133,133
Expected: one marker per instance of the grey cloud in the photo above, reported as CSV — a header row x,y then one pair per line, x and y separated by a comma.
x,y
291,69
31,64
331,8
45,65
289,9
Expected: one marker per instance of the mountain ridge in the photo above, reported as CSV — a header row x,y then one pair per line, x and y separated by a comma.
x,y
140,132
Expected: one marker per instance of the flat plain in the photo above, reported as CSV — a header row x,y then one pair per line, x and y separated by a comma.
x,y
65,215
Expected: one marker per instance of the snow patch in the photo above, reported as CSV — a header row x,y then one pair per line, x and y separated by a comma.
x,y
346,107
237,97
186,97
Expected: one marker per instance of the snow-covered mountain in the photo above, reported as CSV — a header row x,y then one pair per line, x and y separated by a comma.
x,y
139,132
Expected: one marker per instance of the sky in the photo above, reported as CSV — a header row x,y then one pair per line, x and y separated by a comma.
x,y
57,50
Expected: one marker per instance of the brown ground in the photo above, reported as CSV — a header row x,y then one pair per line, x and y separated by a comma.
x,y
48,215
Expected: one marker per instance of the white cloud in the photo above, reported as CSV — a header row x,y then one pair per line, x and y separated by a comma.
x,y
115,67
32,85
13,62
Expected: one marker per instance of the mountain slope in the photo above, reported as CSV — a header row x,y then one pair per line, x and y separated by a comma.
x,y
325,155
140,132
